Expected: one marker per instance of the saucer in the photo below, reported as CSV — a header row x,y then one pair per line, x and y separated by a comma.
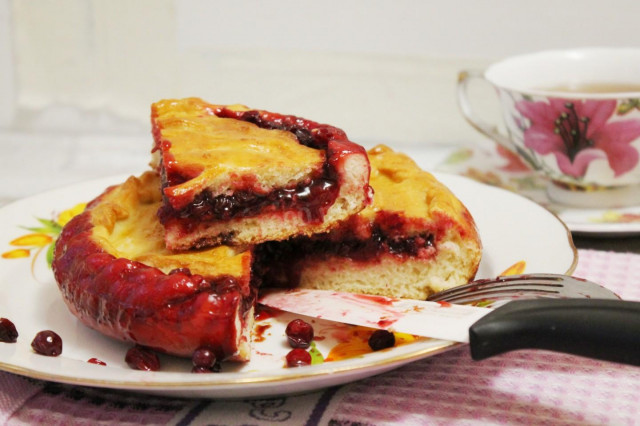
x,y
496,166
593,198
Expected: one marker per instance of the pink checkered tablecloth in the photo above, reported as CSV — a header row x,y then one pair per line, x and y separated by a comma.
x,y
523,387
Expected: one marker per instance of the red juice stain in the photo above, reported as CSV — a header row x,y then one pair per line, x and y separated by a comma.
x,y
444,304
96,361
381,300
384,323
264,313
260,330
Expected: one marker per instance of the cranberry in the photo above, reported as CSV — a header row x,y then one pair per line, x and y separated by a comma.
x,y
298,357
47,343
299,333
203,357
96,361
381,339
141,358
8,332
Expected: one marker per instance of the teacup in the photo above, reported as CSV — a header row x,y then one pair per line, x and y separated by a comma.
x,y
573,115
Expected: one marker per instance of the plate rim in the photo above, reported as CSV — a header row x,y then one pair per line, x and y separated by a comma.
x,y
205,381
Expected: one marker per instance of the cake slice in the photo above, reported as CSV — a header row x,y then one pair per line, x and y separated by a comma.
x,y
416,238
231,175
117,276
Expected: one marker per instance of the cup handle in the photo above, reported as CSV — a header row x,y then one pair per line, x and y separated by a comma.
x,y
464,79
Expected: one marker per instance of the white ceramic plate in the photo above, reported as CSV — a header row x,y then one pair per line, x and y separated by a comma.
x,y
513,229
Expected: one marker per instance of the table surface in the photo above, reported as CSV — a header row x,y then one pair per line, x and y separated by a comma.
x,y
620,244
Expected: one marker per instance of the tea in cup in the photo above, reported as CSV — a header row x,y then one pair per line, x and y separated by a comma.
x,y
572,115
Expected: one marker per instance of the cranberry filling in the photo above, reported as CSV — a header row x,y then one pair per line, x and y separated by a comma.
x,y
274,259
313,199
365,250
357,249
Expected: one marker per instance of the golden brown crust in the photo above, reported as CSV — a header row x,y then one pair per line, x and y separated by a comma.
x,y
402,186
222,155
126,226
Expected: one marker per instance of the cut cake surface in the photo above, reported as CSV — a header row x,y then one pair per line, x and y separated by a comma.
x,y
416,238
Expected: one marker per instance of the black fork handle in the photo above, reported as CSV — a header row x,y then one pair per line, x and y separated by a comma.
x,y
596,328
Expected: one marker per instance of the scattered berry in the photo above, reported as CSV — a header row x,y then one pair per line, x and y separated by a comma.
x,y
204,361
298,357
381,339
299,333
141,358
203,357
47,343
8,332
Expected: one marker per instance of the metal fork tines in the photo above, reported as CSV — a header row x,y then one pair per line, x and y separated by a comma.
x,y
528,285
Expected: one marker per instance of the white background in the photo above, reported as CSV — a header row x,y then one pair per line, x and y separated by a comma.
x,y
77,76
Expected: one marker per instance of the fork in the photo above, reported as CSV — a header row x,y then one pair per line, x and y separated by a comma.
x,y
527,286
567,314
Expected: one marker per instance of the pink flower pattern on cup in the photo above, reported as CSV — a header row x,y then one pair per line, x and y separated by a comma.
x,y
580,131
